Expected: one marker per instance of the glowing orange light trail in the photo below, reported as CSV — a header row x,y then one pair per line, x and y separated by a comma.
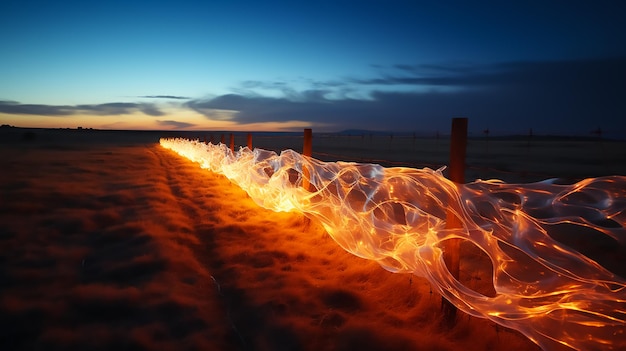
x,y
555,295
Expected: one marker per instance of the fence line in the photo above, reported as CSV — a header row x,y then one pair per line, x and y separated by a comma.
x,y
328,156
513,160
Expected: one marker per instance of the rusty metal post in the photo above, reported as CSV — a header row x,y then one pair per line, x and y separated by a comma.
x,y
307,149
308,145
232,142
250,141
458,150
223,140
456,173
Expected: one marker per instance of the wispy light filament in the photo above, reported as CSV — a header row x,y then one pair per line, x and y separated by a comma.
x,y
548,291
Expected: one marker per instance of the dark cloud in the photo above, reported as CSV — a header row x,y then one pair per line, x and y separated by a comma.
x,y
554,97
253,109
454,67
174,124
252,84
279,85
150,110
594,73
13,107
107,109
165,97
289,89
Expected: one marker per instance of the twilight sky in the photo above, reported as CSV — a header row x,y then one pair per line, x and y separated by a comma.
x,y
553,66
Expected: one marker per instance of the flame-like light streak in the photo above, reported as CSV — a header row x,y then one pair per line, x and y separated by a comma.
x,y
553,294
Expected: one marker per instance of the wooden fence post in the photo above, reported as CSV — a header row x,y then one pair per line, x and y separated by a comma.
x,y
456,173
307,149
232,142
250,141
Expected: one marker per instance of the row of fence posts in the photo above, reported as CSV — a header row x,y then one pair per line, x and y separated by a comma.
x,y
232,141
307,150
456,173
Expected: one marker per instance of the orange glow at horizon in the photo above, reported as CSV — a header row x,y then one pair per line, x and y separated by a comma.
x,y
552,293
141,121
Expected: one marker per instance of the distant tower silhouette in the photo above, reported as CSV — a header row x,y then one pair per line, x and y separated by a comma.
x,y
486,132
597,132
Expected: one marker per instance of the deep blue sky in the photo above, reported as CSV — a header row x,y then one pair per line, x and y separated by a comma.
x,y
554,66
